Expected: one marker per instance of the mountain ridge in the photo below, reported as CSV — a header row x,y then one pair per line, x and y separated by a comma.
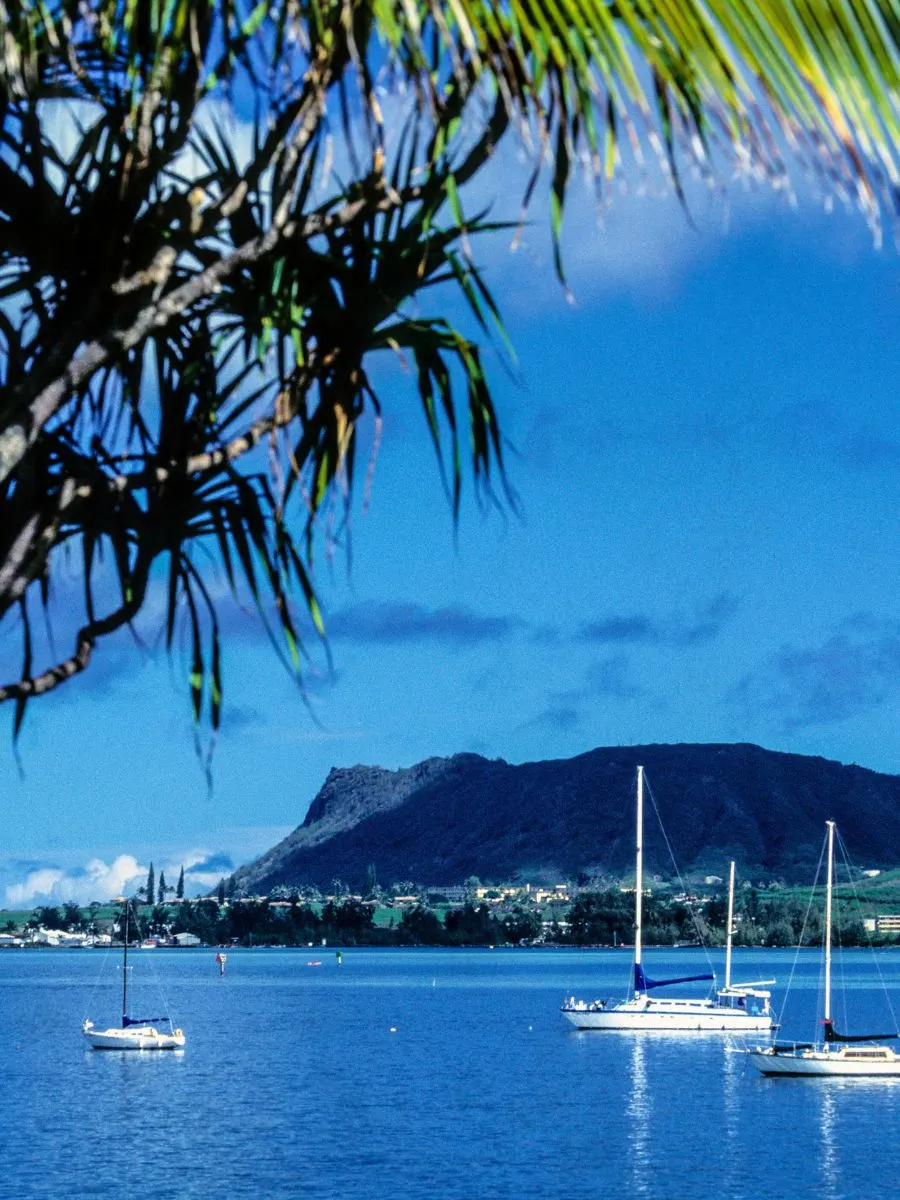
x,y
445,819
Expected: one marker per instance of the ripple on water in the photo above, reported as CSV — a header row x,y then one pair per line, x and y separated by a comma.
x,y
411,1074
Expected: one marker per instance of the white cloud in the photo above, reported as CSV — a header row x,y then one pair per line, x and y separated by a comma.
x,y
38,884
64,123
96,881
29,878
202,882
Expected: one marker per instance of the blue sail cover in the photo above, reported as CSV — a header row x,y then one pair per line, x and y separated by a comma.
x,y
126,1021
643,984
832,1035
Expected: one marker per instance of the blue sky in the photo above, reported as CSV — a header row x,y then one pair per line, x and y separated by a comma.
x,y
707,458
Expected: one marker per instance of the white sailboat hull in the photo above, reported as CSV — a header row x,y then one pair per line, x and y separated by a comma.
x,y
735,1008
871,1061
676,1016
834,1056
137,1037
134,1033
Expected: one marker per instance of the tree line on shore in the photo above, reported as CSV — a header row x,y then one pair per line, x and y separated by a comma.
x,y
762,918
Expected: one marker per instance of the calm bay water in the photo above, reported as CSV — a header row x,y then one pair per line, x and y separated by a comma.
x,y
411,1074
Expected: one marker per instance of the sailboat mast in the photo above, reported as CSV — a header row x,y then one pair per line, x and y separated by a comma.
x,y
125,968
639,866
730,926
828,889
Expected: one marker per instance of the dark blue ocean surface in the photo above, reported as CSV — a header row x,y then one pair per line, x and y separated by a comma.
x,y
446,1075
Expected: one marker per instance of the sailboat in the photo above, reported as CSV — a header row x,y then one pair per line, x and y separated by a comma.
x,y
741,995
837,1054
135,1033
735,1008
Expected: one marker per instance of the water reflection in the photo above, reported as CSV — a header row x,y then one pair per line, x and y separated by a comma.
x,y
829,1162
120,1070
314,1089
638,1111
733,1061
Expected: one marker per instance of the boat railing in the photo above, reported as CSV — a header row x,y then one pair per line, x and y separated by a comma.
x,y
748,989
790,1047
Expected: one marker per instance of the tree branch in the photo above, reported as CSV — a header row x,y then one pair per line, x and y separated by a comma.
x,y
86,639
38,685
29,551
19,437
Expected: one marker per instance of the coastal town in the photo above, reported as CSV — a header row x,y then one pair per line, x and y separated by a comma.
x,y
588,912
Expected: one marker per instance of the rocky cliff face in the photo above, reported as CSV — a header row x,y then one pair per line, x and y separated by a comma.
x,y
443,820
352,794
348,798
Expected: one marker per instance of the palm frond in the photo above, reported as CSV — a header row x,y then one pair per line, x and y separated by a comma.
x,y
185,364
